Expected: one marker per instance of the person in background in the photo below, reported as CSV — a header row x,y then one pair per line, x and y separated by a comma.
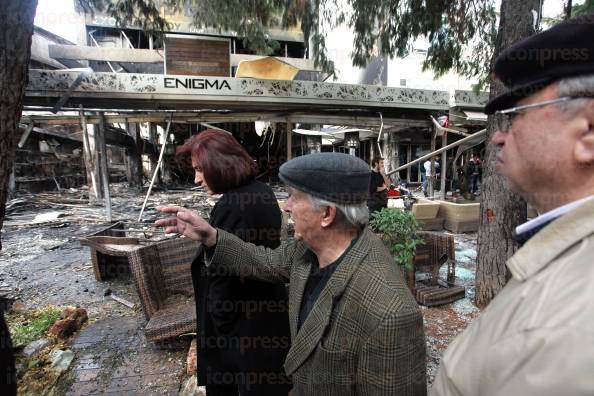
x,y
429,175
474,170
378,186
536,337
235,314
356,329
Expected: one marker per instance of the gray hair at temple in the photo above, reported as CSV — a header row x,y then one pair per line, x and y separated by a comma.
x,y
354,215
582,86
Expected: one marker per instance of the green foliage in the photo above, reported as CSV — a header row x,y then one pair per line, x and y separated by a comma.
x,y
578,9
461,33
31,325
398,228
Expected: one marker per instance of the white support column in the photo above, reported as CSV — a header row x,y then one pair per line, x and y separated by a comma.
x,y
444,165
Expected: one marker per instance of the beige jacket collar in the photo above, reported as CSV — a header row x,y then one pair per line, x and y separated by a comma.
x,y
551,241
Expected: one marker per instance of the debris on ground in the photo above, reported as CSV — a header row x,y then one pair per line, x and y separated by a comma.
x,y
71,320
191,360
43,264
122,301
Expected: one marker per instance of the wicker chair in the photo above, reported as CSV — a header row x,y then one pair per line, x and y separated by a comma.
x,y
109,251
437,250
163,278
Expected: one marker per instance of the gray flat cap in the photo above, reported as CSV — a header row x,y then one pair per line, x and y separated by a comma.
x,y
335,177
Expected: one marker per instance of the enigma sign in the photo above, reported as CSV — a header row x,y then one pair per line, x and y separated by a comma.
x,y
195,83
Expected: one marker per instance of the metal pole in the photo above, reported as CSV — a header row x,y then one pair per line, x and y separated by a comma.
x,y
444,142
379,136
476,135
432,178
148,193
25,135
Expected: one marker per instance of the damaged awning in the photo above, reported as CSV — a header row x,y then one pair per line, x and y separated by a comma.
x,y
334,134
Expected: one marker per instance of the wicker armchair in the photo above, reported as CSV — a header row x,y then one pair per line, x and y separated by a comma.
x,y
109,251
163,278
437,250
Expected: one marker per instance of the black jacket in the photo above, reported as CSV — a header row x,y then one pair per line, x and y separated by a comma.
x,y
377,200
243,327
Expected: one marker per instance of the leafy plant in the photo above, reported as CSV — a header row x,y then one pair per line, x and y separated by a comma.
x,y
399,229
31,325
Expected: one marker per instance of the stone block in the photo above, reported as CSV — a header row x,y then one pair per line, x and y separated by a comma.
x,y
33,347
425,209
61,359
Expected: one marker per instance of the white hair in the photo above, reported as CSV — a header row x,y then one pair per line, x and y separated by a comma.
x,y
354,215
576,87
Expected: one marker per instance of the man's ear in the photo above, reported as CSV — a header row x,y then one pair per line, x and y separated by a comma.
x,y
584,145
328,215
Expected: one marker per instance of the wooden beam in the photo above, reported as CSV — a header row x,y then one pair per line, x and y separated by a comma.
x,y
127,55
133,156
196,118
88,158
104,169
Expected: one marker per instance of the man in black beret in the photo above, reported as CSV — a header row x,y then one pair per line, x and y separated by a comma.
x,y
355,327
537,336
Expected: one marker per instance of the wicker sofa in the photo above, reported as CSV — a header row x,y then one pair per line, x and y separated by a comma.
x,y
162,275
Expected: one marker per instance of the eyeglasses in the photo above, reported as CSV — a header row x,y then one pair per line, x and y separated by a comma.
x,y
503,118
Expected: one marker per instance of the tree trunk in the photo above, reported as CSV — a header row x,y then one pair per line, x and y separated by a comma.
x,y
501,210
16,31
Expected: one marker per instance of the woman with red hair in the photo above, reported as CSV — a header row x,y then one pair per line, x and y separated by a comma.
x,y
235,315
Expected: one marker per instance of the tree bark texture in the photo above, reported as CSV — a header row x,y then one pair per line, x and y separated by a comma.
x,y
501,210
16,32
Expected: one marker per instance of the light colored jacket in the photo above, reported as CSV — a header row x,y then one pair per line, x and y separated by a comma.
x,y
537,336
364,334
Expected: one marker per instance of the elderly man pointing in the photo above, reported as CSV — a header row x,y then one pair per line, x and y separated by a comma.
x,y
355,327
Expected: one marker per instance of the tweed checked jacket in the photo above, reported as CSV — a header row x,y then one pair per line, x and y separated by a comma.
x,y
364,335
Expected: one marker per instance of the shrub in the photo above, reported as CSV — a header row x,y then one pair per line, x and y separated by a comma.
x,y
399,229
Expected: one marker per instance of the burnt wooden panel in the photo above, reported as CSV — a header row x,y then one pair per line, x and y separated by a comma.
x,y
197,57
